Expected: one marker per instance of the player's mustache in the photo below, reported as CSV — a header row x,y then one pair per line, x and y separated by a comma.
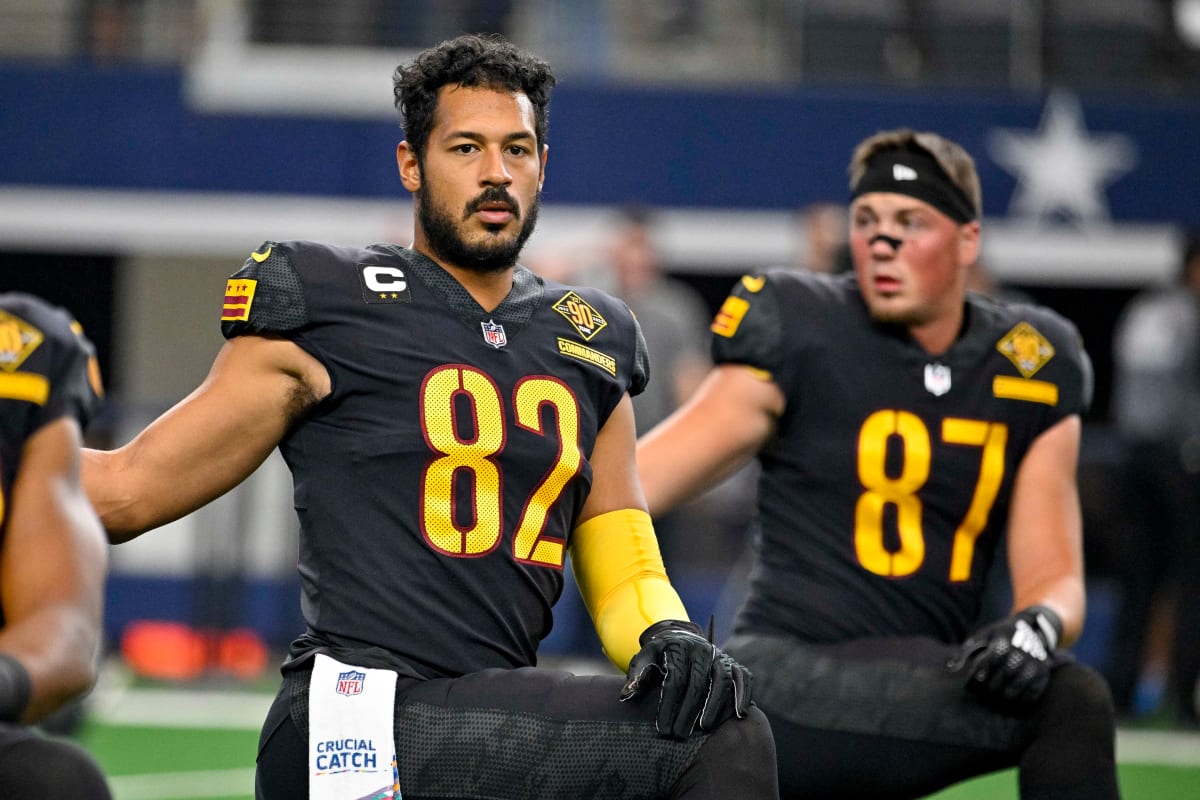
x,y
883,237
494,194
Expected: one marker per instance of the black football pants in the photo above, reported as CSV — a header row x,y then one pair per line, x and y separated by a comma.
x,y
533,733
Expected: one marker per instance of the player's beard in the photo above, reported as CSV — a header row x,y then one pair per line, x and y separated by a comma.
x,y
497,252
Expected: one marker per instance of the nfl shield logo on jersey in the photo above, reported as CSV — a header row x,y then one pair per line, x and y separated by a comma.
x,y
493,334
350,682
937,379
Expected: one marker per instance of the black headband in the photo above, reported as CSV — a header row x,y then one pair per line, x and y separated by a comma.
x,y
916,174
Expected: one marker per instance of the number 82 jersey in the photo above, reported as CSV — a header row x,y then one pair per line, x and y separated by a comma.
x,y
438,483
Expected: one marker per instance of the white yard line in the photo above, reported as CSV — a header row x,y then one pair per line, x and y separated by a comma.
x,y
1169,748
180,708
175,785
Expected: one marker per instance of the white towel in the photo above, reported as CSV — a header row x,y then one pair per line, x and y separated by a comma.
x,y
351,750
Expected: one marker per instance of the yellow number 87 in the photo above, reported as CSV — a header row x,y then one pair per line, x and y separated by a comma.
x,y
900,491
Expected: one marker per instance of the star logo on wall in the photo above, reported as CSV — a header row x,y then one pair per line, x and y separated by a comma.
x,y
1062,170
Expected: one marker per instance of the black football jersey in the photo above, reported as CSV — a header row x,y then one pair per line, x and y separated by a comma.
x,y
885,490
47,371
437,485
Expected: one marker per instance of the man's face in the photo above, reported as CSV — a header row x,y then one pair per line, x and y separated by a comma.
x,y
910,258
478,184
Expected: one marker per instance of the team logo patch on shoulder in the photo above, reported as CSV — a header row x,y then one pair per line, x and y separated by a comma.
x,y
581,314
18,339
239,296
729,316
383,284
584,353
1026,348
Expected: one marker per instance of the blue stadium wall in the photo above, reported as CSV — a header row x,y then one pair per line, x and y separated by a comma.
x,y
83,126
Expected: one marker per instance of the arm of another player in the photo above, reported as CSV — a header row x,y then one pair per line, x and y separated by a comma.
x,y
210,441
724,424
52,569
638,615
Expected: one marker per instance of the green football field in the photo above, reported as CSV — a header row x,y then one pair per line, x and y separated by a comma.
x,y
171,743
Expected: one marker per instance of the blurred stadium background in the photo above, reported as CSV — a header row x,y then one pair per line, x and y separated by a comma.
x,y
149,145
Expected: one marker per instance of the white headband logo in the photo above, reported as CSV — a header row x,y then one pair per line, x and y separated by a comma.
x,y
903,173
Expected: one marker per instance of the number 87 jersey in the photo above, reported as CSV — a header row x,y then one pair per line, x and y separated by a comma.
x,y
885,489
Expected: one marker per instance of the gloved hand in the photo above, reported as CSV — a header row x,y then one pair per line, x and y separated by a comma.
x,y
702,686
1008,662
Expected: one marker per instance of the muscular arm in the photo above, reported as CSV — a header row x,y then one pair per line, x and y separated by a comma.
x,y
727,420
614,476
52,570
1045,536
210,441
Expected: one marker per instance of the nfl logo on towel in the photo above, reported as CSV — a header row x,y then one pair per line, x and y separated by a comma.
x,y
350,682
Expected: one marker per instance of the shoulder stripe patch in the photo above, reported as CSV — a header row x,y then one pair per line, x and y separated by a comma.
x,y
1007,387
28,386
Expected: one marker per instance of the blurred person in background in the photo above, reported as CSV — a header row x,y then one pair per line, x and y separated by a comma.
x,y
907,431
822,226
455,427
671,314
53,553
1157,413
705,534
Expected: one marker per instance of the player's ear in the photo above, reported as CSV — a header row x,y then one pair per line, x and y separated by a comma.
x,y
410,167
542,170
968,242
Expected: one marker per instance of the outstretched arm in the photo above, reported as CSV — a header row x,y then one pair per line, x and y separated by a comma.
x,y
719,430
52,569
210,441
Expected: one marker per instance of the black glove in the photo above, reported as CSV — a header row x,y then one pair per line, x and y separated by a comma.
x,y
701,685
1008,662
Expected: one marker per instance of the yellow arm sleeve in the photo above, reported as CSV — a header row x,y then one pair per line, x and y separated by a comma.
x,y
620,574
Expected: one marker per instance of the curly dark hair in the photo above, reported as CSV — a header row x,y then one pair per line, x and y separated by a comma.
x,y
476,60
